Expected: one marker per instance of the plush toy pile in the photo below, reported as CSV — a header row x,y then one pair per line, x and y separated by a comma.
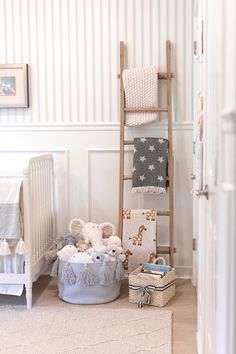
x,y
88,243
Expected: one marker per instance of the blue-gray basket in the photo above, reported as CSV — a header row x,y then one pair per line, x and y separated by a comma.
x,y
92,283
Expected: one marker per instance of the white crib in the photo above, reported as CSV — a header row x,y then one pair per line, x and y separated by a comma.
x,y
38,221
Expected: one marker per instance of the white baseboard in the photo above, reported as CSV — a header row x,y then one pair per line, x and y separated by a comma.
x,y
183,272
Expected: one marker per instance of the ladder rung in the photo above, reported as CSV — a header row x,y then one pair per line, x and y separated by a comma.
x,y
163,213
128,142
151,109
164,76
126,178
161,76
165,250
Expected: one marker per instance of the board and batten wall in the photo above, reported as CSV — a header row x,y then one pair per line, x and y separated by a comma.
x,y
72,48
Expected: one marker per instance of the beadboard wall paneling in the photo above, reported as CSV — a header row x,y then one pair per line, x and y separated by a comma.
x,y
72,48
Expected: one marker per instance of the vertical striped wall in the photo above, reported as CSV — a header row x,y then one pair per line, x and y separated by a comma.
x,y
72,48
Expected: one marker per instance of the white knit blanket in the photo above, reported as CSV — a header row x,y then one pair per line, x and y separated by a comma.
x,y
139,236
141,91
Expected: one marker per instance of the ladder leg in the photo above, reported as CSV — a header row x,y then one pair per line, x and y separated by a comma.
x,y
170,153
122,123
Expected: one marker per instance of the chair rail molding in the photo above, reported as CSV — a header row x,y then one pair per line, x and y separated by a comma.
x,y
102,126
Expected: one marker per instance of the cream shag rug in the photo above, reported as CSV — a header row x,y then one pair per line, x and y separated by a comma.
x,y
84,329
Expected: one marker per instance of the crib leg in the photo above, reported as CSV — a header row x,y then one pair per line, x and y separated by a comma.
x,y
28,289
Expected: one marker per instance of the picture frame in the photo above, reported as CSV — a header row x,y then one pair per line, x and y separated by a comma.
x,y
14,86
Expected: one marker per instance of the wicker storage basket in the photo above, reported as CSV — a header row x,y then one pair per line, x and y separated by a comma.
x,y
156,292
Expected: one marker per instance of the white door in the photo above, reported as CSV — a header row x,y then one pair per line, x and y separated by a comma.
x,y
200,174
226,233
197,175
216,212
205,177
208,193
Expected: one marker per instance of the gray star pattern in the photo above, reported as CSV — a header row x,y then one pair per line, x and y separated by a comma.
x,y
156,157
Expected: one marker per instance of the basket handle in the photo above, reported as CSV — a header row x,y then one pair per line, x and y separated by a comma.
x,y
158,259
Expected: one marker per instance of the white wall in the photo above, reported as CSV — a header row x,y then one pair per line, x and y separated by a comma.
x,y
72,48
91,162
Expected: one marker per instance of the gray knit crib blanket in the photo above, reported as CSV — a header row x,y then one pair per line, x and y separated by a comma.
x,y
150,165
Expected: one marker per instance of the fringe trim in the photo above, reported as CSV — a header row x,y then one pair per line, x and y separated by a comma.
x,y
20,248
119,274
86,276
55,266
68,275
149,189
4,248
105,274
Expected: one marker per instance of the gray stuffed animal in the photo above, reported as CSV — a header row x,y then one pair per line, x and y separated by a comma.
x,y
67,240
51,254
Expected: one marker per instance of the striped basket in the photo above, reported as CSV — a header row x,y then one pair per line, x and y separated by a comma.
x,y
156,292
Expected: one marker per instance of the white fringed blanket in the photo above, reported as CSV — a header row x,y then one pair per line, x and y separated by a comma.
x,y
139,236
141,91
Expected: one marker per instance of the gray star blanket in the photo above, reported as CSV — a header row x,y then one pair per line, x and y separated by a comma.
x,y
150,165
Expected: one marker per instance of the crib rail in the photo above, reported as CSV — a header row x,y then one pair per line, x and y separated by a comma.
x,y
39,224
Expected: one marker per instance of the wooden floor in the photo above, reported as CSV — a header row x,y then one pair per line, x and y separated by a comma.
x,y
183,306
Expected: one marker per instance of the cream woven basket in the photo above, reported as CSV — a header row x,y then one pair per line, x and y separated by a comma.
x,y
156,292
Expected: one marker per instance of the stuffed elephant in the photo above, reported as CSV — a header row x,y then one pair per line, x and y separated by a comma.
x,y
92,233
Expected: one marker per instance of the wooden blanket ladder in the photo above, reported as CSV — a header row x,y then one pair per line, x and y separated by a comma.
x,y
168,75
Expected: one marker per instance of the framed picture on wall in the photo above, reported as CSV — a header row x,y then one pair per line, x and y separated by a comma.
x,y
14,85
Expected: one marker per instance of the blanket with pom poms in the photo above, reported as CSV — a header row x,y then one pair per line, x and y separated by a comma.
x,y
12,255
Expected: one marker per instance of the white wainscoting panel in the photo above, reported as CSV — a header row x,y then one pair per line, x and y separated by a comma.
x,y
88,165
72,48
